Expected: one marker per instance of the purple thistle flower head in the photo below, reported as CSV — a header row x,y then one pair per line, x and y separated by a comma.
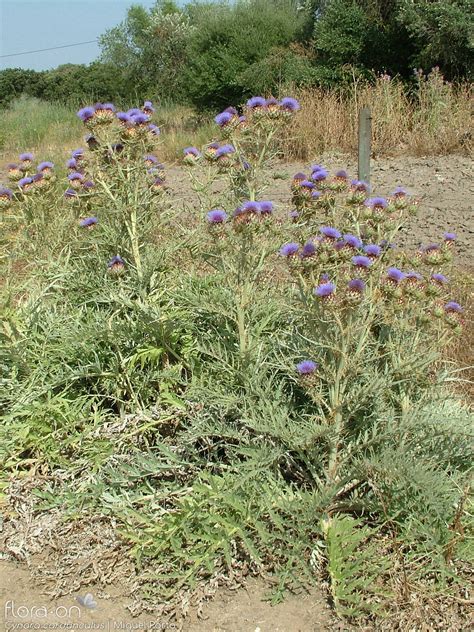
x,y
399,192
372,250
319,175
356,285
70,193
231,110
352,240
395,275
224,118
225,150
450,236
376,202
124,117
271,103
306,367
154,129
88,184
360,261
12,166
116,262
315,195
85,114
251,207
140,119
192,151
88,221
75,175
307,184
26,157
38,177
309,249
134,111
341,174
439,278
325,290
217,216
299,177
290,249
246,165
256,102
360,186
78,153
330,233
324,278
242,119
289,104
6,193
45,166
266,207
24,182
110,107
148,107
413,276
452,306
151,158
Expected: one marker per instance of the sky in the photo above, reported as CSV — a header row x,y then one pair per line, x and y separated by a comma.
x,y
27,25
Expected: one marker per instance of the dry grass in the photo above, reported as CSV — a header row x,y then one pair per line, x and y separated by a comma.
x,y
462,350
434,119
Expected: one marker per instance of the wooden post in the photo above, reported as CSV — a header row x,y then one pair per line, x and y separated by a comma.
x,y
365,138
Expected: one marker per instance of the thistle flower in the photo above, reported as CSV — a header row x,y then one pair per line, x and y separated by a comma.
x,y
158,184
453,307
360,261
25,183
134,112
78,154
449,238
307,184
315,195
256,103
288,104
399,192
191,155
124,118
319,175
372,250
224,150
325,290
360,186
356,286
294,215
154,129
231,110
88,222
14,171
266,207
290,249
72,164
307,367
247,210
140,119
75,178
413,277
376,203
116,264
352,241
39,180
148,107
217,216
150,160
341,175
27,157
86,114
299,177
6,196
330,233
394,275
210,151
309,250
271,103
70,194
224,118
324,278
440,279
45,167
88,184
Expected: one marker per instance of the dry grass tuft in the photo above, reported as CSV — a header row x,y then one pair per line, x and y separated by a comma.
x,y
436,119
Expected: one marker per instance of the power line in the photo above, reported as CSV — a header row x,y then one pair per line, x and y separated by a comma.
x,y
41,50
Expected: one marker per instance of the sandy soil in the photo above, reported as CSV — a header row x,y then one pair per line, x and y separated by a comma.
x,y
22,602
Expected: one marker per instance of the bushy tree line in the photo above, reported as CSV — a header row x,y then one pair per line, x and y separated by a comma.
x,y
211,53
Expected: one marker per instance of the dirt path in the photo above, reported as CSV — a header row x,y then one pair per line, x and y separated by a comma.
x,y
22,602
